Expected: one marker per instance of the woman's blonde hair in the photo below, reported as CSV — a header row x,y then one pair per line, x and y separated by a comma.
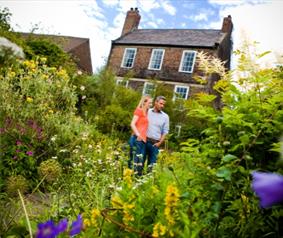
x,y
142,102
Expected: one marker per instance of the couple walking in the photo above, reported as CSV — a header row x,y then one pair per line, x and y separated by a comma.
x,y
150,127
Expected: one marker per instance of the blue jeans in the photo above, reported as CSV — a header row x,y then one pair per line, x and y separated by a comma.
x,y
151,153
137,151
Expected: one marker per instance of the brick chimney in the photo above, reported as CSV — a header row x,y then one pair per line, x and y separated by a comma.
x,y
227,25
132,21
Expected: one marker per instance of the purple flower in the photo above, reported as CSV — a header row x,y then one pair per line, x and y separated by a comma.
x,y
62,225
76,226
30,153
50,230
2,130
268,187
19,142
46,230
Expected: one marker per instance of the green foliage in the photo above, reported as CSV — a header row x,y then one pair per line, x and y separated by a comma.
x,y
48,132
38,118
5,20
54,54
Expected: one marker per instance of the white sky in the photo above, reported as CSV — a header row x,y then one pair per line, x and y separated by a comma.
x,y
102,20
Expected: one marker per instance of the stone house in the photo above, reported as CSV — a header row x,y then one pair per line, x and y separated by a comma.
x,y
166,55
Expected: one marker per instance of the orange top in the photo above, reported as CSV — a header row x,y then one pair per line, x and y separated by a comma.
x,y
142,123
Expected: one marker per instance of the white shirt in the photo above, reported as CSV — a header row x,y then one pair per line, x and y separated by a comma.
x,y
158,124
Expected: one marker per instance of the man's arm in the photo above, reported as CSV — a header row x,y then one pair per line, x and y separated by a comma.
x,y
165,131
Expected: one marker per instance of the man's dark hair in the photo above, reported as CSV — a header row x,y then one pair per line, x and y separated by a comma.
x,y
158,98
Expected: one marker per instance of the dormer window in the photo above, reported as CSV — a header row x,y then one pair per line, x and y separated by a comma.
x,y
129,58
156,59
188,61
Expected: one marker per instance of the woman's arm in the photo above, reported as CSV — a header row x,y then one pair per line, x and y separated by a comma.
x,y
133,125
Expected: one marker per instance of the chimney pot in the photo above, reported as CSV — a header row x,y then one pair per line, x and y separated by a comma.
x,y
227,25
132,21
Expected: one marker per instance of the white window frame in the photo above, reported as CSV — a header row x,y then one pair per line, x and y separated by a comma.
x,y
144,88
121,81
151,58
182,61
175,92
124,56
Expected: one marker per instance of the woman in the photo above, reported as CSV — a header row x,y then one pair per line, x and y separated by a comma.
x,y
139,126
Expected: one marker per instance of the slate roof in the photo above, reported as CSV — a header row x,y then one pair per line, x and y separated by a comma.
x,y
172,37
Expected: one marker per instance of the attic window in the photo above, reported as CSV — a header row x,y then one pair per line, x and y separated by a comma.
x,y
156,59
188,61
129,57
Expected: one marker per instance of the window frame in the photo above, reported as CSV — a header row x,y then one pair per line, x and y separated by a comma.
x,y
119,82
151,58
144,87
124,55
175,92
182,61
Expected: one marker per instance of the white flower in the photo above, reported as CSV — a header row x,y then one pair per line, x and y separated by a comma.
x,y
79,72
83,97
82,88
54,157
75,151
53,138
90,146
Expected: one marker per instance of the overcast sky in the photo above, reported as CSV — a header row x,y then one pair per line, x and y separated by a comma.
x,y
102,20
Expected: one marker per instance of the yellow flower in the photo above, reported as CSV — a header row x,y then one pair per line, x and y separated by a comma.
x,y
172,196
95,213
158,230
116,201
128,206
127,209
62,73
11,74
127,217
30,64
171,201
87,223
29,99
128,176
51,111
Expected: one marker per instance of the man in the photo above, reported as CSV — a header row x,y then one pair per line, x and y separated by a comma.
x,y
158,128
